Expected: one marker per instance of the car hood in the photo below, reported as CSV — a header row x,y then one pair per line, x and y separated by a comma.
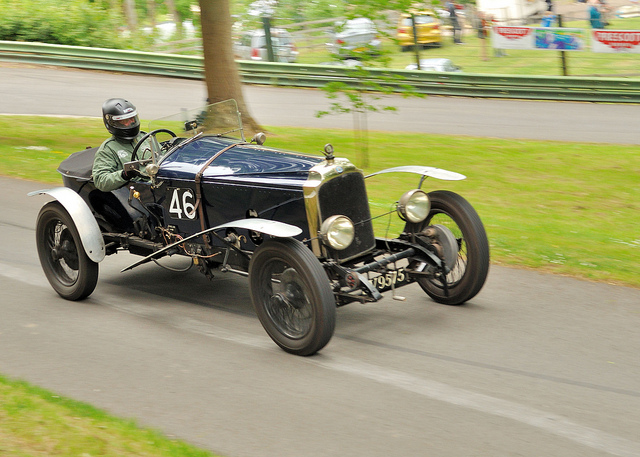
x,y
236,161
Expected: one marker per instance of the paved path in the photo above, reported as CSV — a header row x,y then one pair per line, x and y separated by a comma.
x,y
74,92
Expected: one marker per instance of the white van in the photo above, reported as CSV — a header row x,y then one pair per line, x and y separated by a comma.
x,y
355,36
253,46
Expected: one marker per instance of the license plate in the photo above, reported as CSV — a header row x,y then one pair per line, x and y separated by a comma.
x,y
395,278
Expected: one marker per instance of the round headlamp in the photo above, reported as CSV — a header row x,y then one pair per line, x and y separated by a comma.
x,y
414,206
337,232
152,169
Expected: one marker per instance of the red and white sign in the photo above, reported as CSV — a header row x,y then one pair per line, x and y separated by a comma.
x,y
512,33
512,37
615,41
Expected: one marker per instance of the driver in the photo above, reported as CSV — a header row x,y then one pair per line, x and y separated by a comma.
x,y
121,120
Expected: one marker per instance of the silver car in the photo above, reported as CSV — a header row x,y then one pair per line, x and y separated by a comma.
x,y
353,37
434,65
253,46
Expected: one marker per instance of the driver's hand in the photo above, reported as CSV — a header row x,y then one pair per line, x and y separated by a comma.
x,y
128,175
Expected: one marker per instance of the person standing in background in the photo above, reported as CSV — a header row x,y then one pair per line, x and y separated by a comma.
x,y
455,24
482,34
595,15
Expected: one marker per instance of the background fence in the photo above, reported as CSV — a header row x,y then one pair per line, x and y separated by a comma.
x,y
611,90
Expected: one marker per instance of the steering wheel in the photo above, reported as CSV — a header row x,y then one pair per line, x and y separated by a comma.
x,y
153,133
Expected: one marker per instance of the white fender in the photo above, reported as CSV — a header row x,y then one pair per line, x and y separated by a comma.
x,y
87,226
432,172
266,226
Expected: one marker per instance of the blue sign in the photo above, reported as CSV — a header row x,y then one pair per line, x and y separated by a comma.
x,y
560,39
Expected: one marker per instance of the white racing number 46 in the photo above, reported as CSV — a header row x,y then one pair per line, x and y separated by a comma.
x,y
182,204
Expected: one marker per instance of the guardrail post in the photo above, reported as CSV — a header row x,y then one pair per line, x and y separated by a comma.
x,y
415,40
563,57
266,22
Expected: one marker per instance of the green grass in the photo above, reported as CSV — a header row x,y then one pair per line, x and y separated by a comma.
x,y
35,422
32,147
560,207
517,62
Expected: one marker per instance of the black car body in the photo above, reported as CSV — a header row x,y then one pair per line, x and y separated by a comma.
x,y
299,226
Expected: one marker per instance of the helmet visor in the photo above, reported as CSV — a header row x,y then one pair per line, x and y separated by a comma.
x,y
123,121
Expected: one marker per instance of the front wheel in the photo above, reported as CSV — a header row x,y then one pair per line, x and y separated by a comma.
x,y
292,296
470,270
71,273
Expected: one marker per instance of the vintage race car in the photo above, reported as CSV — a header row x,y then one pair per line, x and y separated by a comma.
x,y
298,226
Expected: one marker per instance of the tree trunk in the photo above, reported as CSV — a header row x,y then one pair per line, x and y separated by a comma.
x,y
131,15
151,13
171,5
221,71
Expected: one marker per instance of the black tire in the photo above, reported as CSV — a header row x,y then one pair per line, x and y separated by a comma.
x,y
71,273
468,275
292,296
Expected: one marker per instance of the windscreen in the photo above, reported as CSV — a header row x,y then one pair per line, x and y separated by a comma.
x,y
218,119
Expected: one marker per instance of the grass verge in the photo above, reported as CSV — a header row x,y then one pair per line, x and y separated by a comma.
x,y
36,422
559,207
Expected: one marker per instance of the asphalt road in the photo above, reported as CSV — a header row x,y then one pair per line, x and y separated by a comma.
x,y
534,365
74,92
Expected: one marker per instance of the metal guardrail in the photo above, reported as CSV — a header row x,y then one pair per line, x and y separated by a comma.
x,y
567,88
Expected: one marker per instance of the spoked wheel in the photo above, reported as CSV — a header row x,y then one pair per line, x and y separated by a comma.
x,y
468,274
70,272
292,296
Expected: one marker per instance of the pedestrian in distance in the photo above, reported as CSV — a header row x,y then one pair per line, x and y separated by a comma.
x,y
453,19
605,10
482,26
548,19
595,14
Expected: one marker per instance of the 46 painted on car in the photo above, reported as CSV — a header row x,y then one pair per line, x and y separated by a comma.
x,y
299,226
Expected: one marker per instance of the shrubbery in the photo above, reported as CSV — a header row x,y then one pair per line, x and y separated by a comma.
x,y
69,22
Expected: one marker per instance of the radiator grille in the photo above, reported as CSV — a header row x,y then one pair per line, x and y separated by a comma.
x,y
346,195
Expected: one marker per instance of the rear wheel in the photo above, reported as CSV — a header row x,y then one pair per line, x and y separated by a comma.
x,y
470,270
292,296
71,273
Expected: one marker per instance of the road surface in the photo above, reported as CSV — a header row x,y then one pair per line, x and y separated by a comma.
x,y
40,90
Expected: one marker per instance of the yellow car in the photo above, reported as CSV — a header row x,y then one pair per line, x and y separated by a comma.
x,y
427,27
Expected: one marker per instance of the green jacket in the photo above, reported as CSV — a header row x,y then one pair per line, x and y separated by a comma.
x,y
109,162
